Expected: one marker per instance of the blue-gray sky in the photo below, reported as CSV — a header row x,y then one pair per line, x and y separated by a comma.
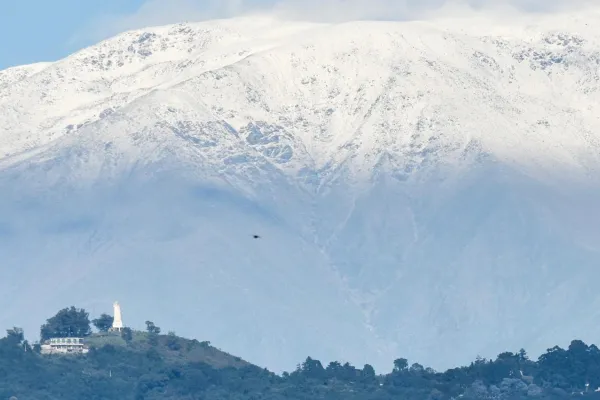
x,y
42,30
46,30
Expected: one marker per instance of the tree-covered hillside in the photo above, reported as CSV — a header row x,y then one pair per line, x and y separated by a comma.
x,y
150,365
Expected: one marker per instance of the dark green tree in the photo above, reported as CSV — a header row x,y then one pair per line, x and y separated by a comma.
x,y
523,355
368,372
417,368
103,323
68,322
400,365
15,335
335,370
127,334
151,328
312,368
153,332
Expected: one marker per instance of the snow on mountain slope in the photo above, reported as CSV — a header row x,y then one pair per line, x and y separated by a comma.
x,y
89,85
423,189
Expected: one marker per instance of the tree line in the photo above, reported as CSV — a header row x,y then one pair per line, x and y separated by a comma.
x,y
163,369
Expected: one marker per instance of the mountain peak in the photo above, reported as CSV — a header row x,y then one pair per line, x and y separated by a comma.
x,y
338,91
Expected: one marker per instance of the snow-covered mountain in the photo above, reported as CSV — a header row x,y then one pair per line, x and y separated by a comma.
x,y
423,189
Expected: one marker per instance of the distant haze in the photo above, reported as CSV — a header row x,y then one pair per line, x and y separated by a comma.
x,y
160,12
424,189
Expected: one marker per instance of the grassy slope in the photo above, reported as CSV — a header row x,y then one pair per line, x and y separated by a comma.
x,y
172,349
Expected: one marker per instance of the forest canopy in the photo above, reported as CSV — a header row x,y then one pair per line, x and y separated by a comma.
x,y
150,365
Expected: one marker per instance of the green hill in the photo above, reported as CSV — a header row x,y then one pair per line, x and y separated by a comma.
x,y
149,366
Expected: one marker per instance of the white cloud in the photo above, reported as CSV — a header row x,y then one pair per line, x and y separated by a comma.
x,y
161,12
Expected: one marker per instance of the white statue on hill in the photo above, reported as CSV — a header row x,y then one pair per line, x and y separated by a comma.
x,y
117,325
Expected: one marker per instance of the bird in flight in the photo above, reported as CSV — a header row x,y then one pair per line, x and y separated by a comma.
x,y
256,236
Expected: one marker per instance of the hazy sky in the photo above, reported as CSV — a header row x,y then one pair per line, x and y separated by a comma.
x,y
41,30
46,30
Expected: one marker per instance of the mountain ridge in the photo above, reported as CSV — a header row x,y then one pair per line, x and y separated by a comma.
x,y
145,37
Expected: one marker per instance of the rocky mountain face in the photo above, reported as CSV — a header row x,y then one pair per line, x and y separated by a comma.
x,y
427,190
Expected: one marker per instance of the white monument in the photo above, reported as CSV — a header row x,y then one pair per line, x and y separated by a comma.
x,y
117,325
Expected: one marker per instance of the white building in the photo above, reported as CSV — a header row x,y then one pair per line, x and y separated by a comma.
x,y
69,345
